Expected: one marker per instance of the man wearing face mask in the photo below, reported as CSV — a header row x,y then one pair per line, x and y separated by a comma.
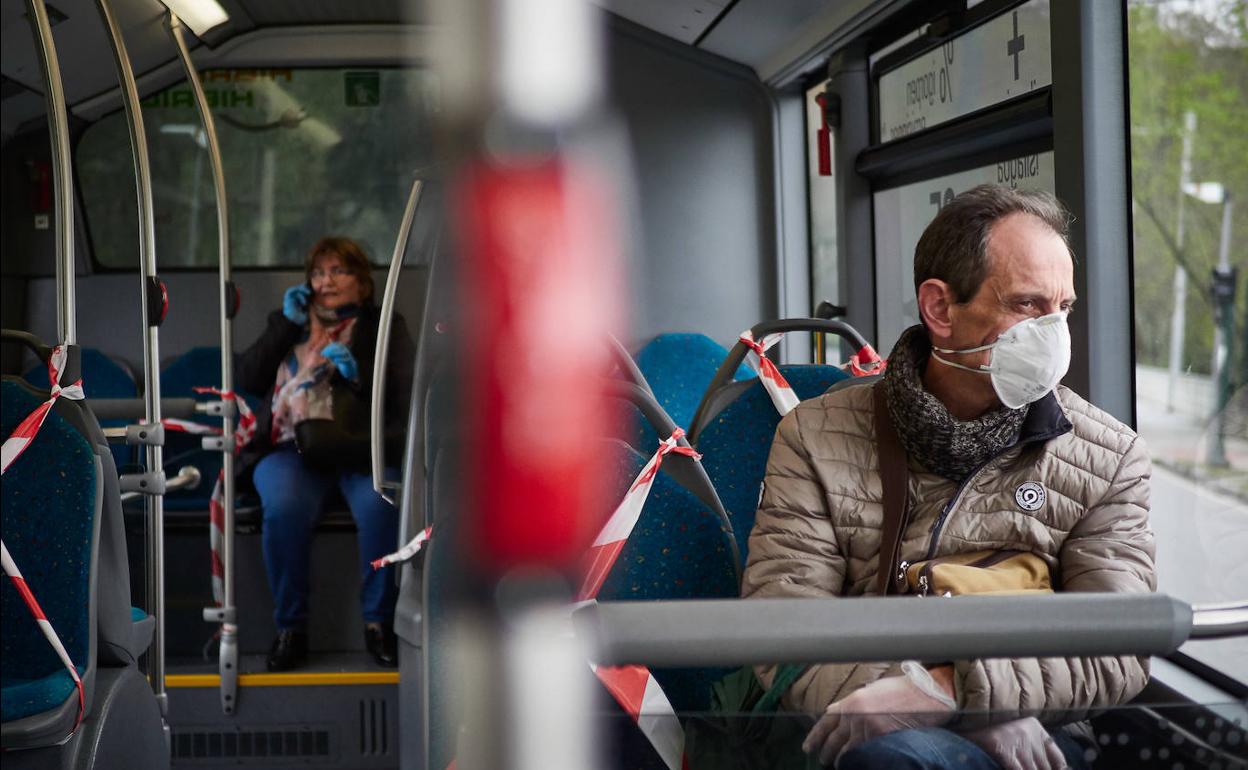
x,y
1000,457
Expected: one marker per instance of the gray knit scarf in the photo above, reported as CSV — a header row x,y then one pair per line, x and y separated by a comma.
x,y
943,444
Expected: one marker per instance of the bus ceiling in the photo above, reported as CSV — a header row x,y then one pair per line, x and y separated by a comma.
x,y
781,40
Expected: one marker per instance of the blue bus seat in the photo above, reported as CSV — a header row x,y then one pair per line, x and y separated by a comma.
x,y
50,501
679,366
678,550
102,377
198,367
62,520
736,441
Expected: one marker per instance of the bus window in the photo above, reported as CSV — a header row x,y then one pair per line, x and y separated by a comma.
x,y
821,171
901,215
1189,167
306,152
998,64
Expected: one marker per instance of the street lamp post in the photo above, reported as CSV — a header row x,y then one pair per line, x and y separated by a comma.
x,y
1178,318
1223,291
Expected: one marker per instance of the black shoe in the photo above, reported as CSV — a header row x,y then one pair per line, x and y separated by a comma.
x,y
382,644
289,650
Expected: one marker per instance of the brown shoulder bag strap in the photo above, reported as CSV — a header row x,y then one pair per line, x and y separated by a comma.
x,y
894,479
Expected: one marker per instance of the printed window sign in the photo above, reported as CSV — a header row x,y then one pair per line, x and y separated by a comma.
x,y
1002,58
901,215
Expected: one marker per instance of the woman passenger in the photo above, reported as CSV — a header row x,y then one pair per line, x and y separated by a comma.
x,y
315,363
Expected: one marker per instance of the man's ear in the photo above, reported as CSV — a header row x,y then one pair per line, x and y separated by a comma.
x,y
935,301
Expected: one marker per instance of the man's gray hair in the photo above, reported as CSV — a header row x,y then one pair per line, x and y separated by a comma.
x,y
954,247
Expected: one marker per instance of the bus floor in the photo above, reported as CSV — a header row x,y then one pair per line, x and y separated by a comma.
x,y
340,710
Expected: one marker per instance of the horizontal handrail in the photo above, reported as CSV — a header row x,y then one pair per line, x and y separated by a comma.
x,y
761,631
135,408
188,478
1216,621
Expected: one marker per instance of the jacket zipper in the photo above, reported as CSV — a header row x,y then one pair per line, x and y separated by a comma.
x,y
957,495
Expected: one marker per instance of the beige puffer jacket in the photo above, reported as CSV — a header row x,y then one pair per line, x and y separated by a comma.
x,y
818,530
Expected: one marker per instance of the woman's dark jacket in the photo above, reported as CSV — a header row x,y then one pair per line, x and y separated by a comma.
x,y
256,373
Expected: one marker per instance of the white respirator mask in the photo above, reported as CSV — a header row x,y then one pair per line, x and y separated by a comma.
x,y
1028,359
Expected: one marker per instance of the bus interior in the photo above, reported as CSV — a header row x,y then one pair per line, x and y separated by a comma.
x,y
601,225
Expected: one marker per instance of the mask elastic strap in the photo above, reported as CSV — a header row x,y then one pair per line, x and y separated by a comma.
x,y
989,346
982,370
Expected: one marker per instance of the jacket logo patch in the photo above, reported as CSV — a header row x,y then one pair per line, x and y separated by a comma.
x,y
1030,495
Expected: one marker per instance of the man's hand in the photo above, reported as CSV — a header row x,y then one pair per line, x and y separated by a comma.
x,y
884,706
1023,744
338,355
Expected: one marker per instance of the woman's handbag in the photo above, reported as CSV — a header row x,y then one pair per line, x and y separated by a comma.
x,y
979,572
338,443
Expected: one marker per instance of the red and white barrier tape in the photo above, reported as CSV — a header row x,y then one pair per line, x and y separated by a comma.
x,y
640,695
13,447
19,583
866,362
186,426
28,428
405,553
634,687
777,387
244,430
610,541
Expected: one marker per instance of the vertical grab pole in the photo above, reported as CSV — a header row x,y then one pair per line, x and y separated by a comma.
x,y
377,412
227,614
58,128
152,293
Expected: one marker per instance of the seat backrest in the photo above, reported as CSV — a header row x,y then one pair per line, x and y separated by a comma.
x,y
678,550
102,377
445,685
49,504
197,367
678,367
736,441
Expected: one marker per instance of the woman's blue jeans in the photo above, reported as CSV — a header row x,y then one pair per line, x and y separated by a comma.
x,y
292,496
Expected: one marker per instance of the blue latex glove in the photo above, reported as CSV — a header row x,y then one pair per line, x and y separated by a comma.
x,y
340,357
295,303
